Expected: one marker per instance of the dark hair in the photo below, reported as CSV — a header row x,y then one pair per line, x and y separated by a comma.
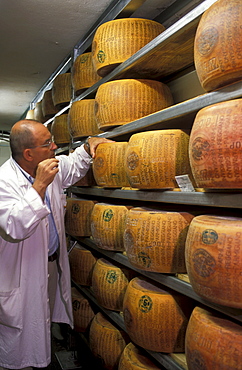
x,y
21,138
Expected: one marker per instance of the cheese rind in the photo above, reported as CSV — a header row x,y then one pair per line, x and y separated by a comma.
x,y
106,341
78,216
133,358
154,158
215,146
213,342
81,119
213,258
82,262
155,240
217,45
155,319
83,74
109,283
82,311
117,40
108,165
107,225
122,101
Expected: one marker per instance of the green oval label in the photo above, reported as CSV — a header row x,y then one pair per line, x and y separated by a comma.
x,y
145,303
107,215
111,277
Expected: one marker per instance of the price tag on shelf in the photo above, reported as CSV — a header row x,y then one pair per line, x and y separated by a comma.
x,y
184,183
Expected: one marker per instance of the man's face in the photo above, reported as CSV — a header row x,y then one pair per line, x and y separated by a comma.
x,y
44,146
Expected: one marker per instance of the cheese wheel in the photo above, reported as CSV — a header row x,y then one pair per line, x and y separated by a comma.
x,y
30,114
83,74
87,180
213,258
155,319
106,342
82,311
107,225
78,217
213,342
81,119
217,45
38,114
215,146
155,240
154,158
108,165
60,130
109,283
122,101
117,40
82,262
133,358
61,90
48,107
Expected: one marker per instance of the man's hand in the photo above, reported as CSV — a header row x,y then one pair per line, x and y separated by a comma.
x,y
93,142
45,174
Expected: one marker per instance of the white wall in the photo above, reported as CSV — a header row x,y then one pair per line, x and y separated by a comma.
x,y
4,152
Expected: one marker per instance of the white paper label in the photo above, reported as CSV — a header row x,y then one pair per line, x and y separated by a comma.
x,y
184,183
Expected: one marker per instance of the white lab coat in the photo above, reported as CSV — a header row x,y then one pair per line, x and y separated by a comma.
x,y
24,310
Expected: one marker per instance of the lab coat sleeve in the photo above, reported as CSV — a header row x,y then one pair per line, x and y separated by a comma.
x,y
74,166
20,211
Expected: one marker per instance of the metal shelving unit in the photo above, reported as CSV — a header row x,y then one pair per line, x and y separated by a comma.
x,y
163,359
168,280
200,198
177,37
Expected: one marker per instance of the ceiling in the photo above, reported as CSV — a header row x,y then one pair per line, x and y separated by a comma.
x,y
37,35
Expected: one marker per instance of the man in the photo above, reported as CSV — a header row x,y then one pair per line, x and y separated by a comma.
x,y
34,267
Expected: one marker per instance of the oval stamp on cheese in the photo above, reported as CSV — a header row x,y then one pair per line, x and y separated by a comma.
x,y
204,264
207,40
111,276
144,259
132,161
209,236
107,215
145,303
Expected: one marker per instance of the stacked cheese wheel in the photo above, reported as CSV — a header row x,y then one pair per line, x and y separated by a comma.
x,y
155,240
82,311
155,319
108,165
81,119
107,225
38,112
154,158
61,90
60,130
30,114
217,49
117,40
122,101
87,180
106,342
215,146
82,262
133,358
213,342
83,74
214,258
78,216
48,107
109,283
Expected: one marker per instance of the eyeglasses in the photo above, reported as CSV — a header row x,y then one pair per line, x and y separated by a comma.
x,y
46,145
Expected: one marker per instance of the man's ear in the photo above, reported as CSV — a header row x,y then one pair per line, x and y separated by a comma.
x,y
27,155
